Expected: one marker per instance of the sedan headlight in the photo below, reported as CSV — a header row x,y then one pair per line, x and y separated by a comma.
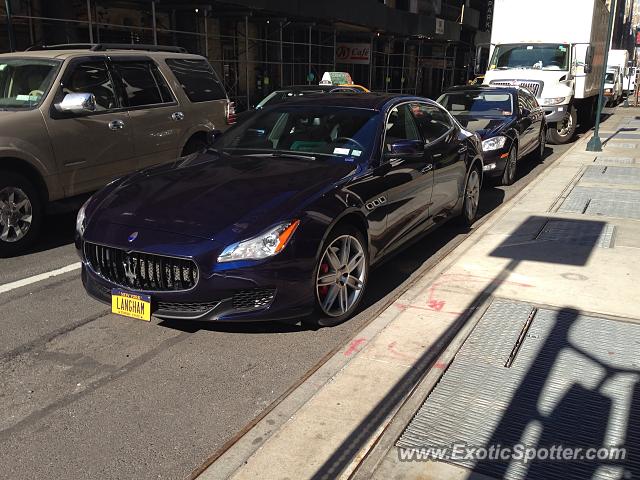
x,y
81,218
265,245
494,143
552,101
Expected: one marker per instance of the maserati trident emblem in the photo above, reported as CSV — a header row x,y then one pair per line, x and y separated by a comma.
x,y
132,237
130,266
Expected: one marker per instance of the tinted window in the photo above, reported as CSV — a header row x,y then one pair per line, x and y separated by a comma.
x,y
337,132
432,122
143,84
92,77
197,78
400,126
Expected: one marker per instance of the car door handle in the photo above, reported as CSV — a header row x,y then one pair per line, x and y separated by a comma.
x,y
462,149
177,116
116,125
427,168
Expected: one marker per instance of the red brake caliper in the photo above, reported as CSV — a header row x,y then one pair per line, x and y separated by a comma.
x,y
324,268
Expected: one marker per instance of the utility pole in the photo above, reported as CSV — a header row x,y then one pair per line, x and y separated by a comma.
x,y
12,40
595,144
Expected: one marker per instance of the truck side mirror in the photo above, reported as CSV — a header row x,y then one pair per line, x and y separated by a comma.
x,y
588,59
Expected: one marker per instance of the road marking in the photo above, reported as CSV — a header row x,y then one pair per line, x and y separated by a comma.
x,y
38,278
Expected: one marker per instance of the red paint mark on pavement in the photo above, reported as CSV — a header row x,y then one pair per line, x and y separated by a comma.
x,y
354,346
440,365
393,351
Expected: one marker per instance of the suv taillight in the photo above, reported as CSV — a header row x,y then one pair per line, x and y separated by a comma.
x,y
231,113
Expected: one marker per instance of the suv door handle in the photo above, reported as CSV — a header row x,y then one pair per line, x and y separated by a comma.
x,y
177,116
427,168
116,125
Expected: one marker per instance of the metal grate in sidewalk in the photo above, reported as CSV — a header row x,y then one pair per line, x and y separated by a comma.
x,y
620,160
602,201
578,233
571,383
614,175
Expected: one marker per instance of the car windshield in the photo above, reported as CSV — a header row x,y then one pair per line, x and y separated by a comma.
x,y
23,82
541,56
344,133
280,95
478,103
609,77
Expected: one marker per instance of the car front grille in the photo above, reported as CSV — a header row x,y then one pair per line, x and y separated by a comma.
x,y
187,307
533,86
253,299
141,271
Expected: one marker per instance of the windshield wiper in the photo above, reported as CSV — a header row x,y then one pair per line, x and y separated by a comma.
x,y
293,155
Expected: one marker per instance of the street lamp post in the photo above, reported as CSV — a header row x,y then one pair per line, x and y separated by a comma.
x,y
595,144
7,6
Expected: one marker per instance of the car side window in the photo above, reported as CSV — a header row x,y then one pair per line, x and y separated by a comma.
x,y
198,79
92,77
522,105
143,84
533,103
400,126
432,121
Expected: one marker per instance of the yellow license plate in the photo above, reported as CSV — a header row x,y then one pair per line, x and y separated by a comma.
x,y
132,305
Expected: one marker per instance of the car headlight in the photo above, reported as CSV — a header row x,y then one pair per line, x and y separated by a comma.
x,y
608,90
81,218
552,101
494,143
270,243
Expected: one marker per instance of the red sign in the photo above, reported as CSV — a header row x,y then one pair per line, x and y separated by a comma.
x,y
353,53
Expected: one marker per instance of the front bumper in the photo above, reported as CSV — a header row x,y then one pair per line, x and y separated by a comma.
x,y
555,113
495,162
277,289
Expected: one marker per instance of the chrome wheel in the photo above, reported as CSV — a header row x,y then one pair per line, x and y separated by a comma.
x,y
341,276
472,195
565,127
16,214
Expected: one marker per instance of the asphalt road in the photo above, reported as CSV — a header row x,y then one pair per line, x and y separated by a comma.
x,y
86,394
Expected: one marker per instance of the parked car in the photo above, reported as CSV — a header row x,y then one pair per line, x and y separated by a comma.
x,y
75,117
293,92
284,215
509,121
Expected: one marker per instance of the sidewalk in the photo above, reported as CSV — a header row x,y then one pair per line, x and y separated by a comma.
x,y
527,333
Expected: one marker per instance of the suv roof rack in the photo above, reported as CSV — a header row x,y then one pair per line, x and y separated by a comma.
x,y
101,47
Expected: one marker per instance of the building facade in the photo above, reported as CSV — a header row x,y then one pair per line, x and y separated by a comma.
x,y
409,46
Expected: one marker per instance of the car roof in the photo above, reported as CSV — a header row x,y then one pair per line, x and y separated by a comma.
x,y
64,54
370,101
476,88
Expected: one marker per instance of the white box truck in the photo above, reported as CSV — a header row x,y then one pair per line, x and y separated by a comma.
x,y
555,48
617,61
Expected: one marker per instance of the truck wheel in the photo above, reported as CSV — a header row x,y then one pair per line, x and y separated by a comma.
x,y
563,131
21,213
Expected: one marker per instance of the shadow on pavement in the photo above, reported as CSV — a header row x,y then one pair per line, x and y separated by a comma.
x,y
522,409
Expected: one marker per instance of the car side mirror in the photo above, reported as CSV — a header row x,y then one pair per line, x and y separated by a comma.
x,y
405,148
212,136
77,103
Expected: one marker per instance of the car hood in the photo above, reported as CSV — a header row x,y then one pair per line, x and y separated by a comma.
x,y
485,127
206,194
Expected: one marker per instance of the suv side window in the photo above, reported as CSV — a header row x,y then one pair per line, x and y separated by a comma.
x,y
197,78
92,77
143,84
400,126
432,122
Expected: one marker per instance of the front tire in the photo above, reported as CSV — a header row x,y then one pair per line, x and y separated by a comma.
x,y
510,168
471,198
542,145
21,213
340,277
563,132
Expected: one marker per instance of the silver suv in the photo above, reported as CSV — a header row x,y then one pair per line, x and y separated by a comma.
x,y
75,117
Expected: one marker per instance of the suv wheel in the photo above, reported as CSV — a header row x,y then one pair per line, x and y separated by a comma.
x,y
20,213
195,144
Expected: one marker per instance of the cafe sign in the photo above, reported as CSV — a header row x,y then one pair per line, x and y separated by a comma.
x,y
359,53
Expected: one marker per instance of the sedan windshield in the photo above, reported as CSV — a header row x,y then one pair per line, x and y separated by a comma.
x,y
542,56
345,133
478,103
23,82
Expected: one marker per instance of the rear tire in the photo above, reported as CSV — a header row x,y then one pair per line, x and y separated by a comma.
x,y
194,145
340,277
471,200
542,145
563,132
21,213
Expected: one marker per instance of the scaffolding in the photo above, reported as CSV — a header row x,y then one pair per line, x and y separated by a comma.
x,y
253,54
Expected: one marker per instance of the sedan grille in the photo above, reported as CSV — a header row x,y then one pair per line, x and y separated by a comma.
x,y
141,271
534,87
